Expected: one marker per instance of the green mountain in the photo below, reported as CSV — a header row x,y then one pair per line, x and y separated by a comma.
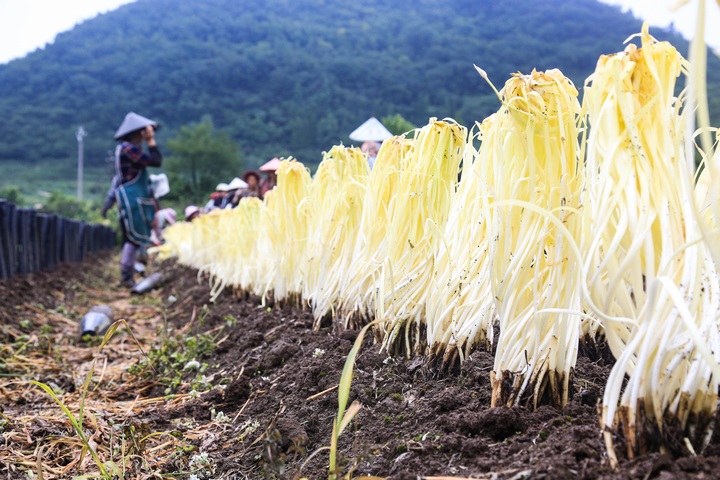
x,y
291,76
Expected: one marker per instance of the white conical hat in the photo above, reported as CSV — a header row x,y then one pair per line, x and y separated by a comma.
x,y
371,131
133,122
237,184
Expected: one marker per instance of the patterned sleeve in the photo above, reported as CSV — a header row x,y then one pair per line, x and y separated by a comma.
x,y
136,155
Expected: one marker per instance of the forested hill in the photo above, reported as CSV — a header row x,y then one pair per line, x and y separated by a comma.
x,y
290,76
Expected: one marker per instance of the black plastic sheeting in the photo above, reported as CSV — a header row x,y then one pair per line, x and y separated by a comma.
x,y
32,241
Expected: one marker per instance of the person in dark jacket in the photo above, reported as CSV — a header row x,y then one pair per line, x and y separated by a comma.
x,y
136,205
232,188
252,179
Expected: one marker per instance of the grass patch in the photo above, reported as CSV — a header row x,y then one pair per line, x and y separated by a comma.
x,y
174,358
36,180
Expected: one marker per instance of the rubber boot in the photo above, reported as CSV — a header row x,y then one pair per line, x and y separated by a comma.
x,y
127,279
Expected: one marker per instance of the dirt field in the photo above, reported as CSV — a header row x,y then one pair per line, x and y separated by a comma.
x,y
232,389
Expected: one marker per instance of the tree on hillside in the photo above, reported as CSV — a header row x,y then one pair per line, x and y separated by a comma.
x,y
12,194
203,156
397,124
68,206
295,77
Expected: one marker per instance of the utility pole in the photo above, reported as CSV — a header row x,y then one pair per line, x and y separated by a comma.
x,y
80,134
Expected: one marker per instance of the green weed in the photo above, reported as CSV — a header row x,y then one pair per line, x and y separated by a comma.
x,y
173,357
230,320
345,416
108,469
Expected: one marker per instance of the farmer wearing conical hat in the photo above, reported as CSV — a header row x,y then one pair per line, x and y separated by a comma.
x,y
269,169
136,205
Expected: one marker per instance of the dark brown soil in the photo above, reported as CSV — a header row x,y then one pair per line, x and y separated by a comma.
x,y
414,422
52,288
270,370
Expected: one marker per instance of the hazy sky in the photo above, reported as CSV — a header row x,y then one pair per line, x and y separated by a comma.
x,y
28,24
660,13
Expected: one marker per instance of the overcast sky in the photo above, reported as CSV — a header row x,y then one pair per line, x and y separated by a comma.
x,y
660,13
26,25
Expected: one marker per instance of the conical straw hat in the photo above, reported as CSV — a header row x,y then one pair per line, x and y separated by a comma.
x,y
271,165
371,131
133,122
236,184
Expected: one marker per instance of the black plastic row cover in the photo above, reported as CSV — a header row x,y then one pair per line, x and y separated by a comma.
x,y
32,241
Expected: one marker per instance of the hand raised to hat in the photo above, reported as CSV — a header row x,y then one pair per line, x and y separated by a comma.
x,y
149,136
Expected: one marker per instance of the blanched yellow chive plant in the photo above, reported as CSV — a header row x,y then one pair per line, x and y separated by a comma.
x,y
245,263
205,238
550,235
358,290
336,201
231,245
670,399
224,237
178,243
530,150
288,219
460,309
416,216
649,276
633,149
